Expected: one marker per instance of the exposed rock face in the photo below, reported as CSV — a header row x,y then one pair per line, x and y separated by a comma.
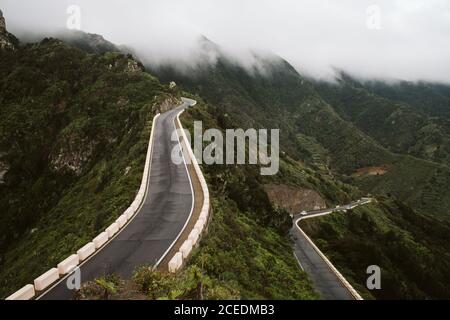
x,y
6,41
373,171
294,200
98,40
2,23
72,154
134,67
169,104
3,170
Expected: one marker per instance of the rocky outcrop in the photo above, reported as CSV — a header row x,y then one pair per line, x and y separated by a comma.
x,y
294,200
7,40
169,104
3,168
3,171
72,154
134,67
2,23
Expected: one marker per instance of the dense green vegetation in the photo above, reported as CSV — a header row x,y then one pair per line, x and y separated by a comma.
x,y
74,130
150,284
326,140
412,250
421,129
335,129
74,127
417,130
256,261
432,99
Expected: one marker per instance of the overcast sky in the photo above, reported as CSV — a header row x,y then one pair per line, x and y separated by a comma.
x,y
409,39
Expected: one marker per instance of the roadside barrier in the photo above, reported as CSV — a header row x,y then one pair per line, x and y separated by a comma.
x,y
68,264
86,251
26,293
196,232
46,279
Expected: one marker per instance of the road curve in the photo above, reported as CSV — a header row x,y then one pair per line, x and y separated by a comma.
x,y
161,218
326,282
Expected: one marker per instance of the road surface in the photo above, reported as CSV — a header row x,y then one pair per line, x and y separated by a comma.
x,y
325,281
162,217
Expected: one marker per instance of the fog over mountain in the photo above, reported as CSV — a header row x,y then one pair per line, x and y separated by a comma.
x,y
411,40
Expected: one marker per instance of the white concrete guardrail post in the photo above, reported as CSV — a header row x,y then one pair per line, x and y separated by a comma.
x,y
67,265
100,240
86,251
46,279
25,293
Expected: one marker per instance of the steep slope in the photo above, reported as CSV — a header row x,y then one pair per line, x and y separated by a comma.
x,y
412,250
258,256
74,130
336,137
322,142
403,129
274,95
7,40
247,252
74,127
432,99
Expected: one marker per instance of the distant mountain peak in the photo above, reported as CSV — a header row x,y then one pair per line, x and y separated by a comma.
x,y
89,42
208,45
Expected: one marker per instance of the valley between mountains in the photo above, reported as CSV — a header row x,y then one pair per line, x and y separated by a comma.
x,y
75,117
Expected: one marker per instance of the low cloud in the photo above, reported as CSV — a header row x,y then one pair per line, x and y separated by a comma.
x,y
388,39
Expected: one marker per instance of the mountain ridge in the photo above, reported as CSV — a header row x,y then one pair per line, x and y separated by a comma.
x,y
316,128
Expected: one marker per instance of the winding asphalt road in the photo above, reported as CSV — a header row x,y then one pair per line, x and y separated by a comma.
x,y
161,218
325,281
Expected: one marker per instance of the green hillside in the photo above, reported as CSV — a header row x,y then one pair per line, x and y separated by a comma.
x,y
402,128
74,131
412,250
338,129
74,128
247,252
